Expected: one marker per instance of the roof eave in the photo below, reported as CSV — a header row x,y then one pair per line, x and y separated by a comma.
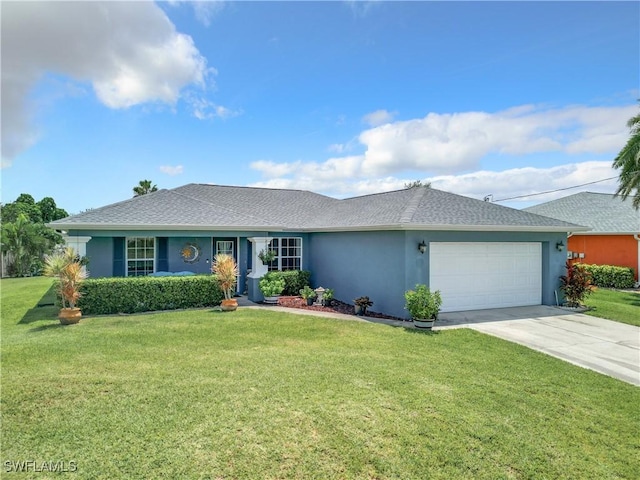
x,y
125,227
462,228
595,232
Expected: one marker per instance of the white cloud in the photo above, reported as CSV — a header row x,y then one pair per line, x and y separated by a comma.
x,y
170,170
271,169
448,144
204,10
518,182
379,117
130,53
500,184
456,142
204,109
336,148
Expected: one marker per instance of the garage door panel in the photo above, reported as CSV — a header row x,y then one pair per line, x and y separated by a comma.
x,y
486,275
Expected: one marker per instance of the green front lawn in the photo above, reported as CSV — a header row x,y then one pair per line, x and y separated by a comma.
x,y
615,305
260,394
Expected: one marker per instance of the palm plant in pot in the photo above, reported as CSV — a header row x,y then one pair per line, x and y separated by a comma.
x,y
271,287
361,304
225,270
67,267
423,305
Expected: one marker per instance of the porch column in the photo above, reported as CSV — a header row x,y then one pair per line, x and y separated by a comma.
x,y
258,269
79,244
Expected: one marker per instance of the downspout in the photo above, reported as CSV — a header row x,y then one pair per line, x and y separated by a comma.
x,y
637,237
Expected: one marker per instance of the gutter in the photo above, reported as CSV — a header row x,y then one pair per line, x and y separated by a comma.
x,y
637,237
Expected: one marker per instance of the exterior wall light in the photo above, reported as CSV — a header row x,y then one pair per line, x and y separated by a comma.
x,y
560,246
422,247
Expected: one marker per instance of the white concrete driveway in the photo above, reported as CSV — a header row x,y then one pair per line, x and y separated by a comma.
x,y
607,347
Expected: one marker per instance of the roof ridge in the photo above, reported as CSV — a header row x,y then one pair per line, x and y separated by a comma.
x,y
256,188
412,205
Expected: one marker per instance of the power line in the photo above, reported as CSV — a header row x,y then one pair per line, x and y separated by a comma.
x,y
552,191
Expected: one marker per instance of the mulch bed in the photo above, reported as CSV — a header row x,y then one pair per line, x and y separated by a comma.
x,y
336,307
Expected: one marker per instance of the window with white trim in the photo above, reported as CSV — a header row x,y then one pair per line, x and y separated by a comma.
x,y
224,247
288,252
141,256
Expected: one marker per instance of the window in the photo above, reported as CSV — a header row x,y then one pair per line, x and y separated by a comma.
x,y
288,253
141,253
224,247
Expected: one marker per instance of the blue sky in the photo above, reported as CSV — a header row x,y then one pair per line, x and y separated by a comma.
x,y
342,98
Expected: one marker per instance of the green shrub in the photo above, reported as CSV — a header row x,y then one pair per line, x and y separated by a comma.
x,y
294,280
610,276
143,294
271,285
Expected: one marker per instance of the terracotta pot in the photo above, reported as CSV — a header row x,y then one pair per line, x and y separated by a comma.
x,y
229,305
69,316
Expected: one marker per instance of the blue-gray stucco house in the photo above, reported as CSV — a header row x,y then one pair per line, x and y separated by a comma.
x,y
478,254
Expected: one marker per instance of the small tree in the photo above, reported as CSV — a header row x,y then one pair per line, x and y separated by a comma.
x,y
576,284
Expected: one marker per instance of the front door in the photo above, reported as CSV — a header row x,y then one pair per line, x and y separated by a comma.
x,y
226,245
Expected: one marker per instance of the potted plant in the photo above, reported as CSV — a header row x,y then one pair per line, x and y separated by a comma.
x,y
67,267
308,294
361,305
225,270
267,257
423,306
271,287
327,298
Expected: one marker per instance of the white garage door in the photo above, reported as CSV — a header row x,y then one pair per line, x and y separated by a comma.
x,y
473,276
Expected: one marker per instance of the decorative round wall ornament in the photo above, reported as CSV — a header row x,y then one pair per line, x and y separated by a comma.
x,y
190,252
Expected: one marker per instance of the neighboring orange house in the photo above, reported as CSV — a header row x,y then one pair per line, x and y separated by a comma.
x,y
614,238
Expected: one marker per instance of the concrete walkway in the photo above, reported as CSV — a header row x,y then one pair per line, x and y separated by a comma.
x,y
611,348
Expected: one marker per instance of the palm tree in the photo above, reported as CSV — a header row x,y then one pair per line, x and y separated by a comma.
x,y
629,161
144,187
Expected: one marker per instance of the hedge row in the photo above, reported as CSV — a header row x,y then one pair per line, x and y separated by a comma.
x,y
143,294
294,280
610,276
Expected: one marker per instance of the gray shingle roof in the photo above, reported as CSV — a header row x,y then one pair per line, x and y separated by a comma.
x,y
215,207
604,213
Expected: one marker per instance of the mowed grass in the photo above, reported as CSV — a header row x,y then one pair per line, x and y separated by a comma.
x,y
615,305
259,394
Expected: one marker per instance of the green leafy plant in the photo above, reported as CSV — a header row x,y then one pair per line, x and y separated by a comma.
x,y
328,296
267,257
307,292
271,285
422,303
226,273
576,284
